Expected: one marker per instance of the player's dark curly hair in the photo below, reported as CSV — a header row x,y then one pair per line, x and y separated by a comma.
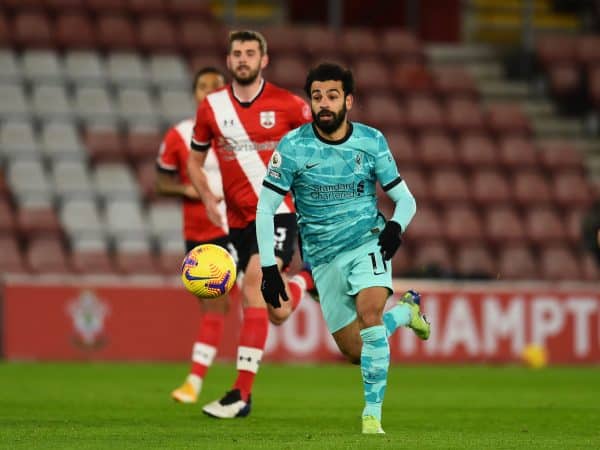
x,y
205,70
330,71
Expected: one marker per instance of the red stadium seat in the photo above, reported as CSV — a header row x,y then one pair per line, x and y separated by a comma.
x,y
104,144
571,189
157,34
475,261
436,150
7,218
543,226
197,37
490,187
594,86
116,33
4,189
139,262
560,155
531,188
401,262
411,77
190,8
558,264
75,30
464,114
424,113
425,226
6,35
462,225
146,177
319,40
477,151
454,81
417,183
517,153
433,259
588,50
169,262
359,42
147,7
402,149
556,49
47,255
590,269
564,80
508,119
383,111
97,261
283,40
207,59
142,145
61,6
36,222
517,263
398,44
289,72
503,226
11,258
97,7
573,222
371,75
32,29
449,186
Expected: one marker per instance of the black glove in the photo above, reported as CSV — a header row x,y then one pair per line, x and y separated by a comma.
x,y
389,239
272,286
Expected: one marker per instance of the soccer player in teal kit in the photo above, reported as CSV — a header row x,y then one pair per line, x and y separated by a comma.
x,y
331,167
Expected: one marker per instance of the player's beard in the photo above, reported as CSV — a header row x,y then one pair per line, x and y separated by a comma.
x,y
332,125
249,78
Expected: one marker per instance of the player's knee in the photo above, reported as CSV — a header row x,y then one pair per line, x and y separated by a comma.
x,y
278,316
369,318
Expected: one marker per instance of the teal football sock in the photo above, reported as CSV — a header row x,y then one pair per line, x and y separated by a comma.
x,y
374,364
398,316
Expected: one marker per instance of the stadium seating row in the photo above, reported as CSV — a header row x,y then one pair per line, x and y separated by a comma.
x,y
429,259
90,68
571,65
155,32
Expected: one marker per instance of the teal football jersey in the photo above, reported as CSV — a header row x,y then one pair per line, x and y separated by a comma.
x,y
333,185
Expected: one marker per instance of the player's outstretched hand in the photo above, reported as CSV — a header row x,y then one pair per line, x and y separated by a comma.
x,y
272,286
389,239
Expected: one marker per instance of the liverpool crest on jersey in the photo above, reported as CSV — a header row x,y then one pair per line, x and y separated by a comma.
x,y
267,119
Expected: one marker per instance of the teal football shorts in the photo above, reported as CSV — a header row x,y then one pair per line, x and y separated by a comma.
x,y
346,275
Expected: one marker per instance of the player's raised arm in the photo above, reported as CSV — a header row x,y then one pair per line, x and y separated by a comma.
x,y
200,144
395,187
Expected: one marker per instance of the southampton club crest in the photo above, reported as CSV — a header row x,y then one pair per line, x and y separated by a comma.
x,y
88,313
267,119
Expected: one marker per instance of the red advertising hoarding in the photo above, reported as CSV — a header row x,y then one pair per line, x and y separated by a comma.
x,y
157,322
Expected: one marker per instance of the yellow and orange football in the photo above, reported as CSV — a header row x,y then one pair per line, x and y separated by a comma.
x,y
208,271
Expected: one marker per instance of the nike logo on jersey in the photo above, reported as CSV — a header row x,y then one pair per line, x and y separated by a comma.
x,y
310,166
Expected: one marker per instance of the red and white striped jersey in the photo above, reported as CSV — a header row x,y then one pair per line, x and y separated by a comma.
x,y
173,157
244,136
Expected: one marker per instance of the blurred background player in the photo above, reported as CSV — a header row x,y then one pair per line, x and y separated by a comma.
x,y
332,166
244,123
173,180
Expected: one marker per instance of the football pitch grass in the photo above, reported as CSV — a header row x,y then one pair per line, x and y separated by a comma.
x,y
123,406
